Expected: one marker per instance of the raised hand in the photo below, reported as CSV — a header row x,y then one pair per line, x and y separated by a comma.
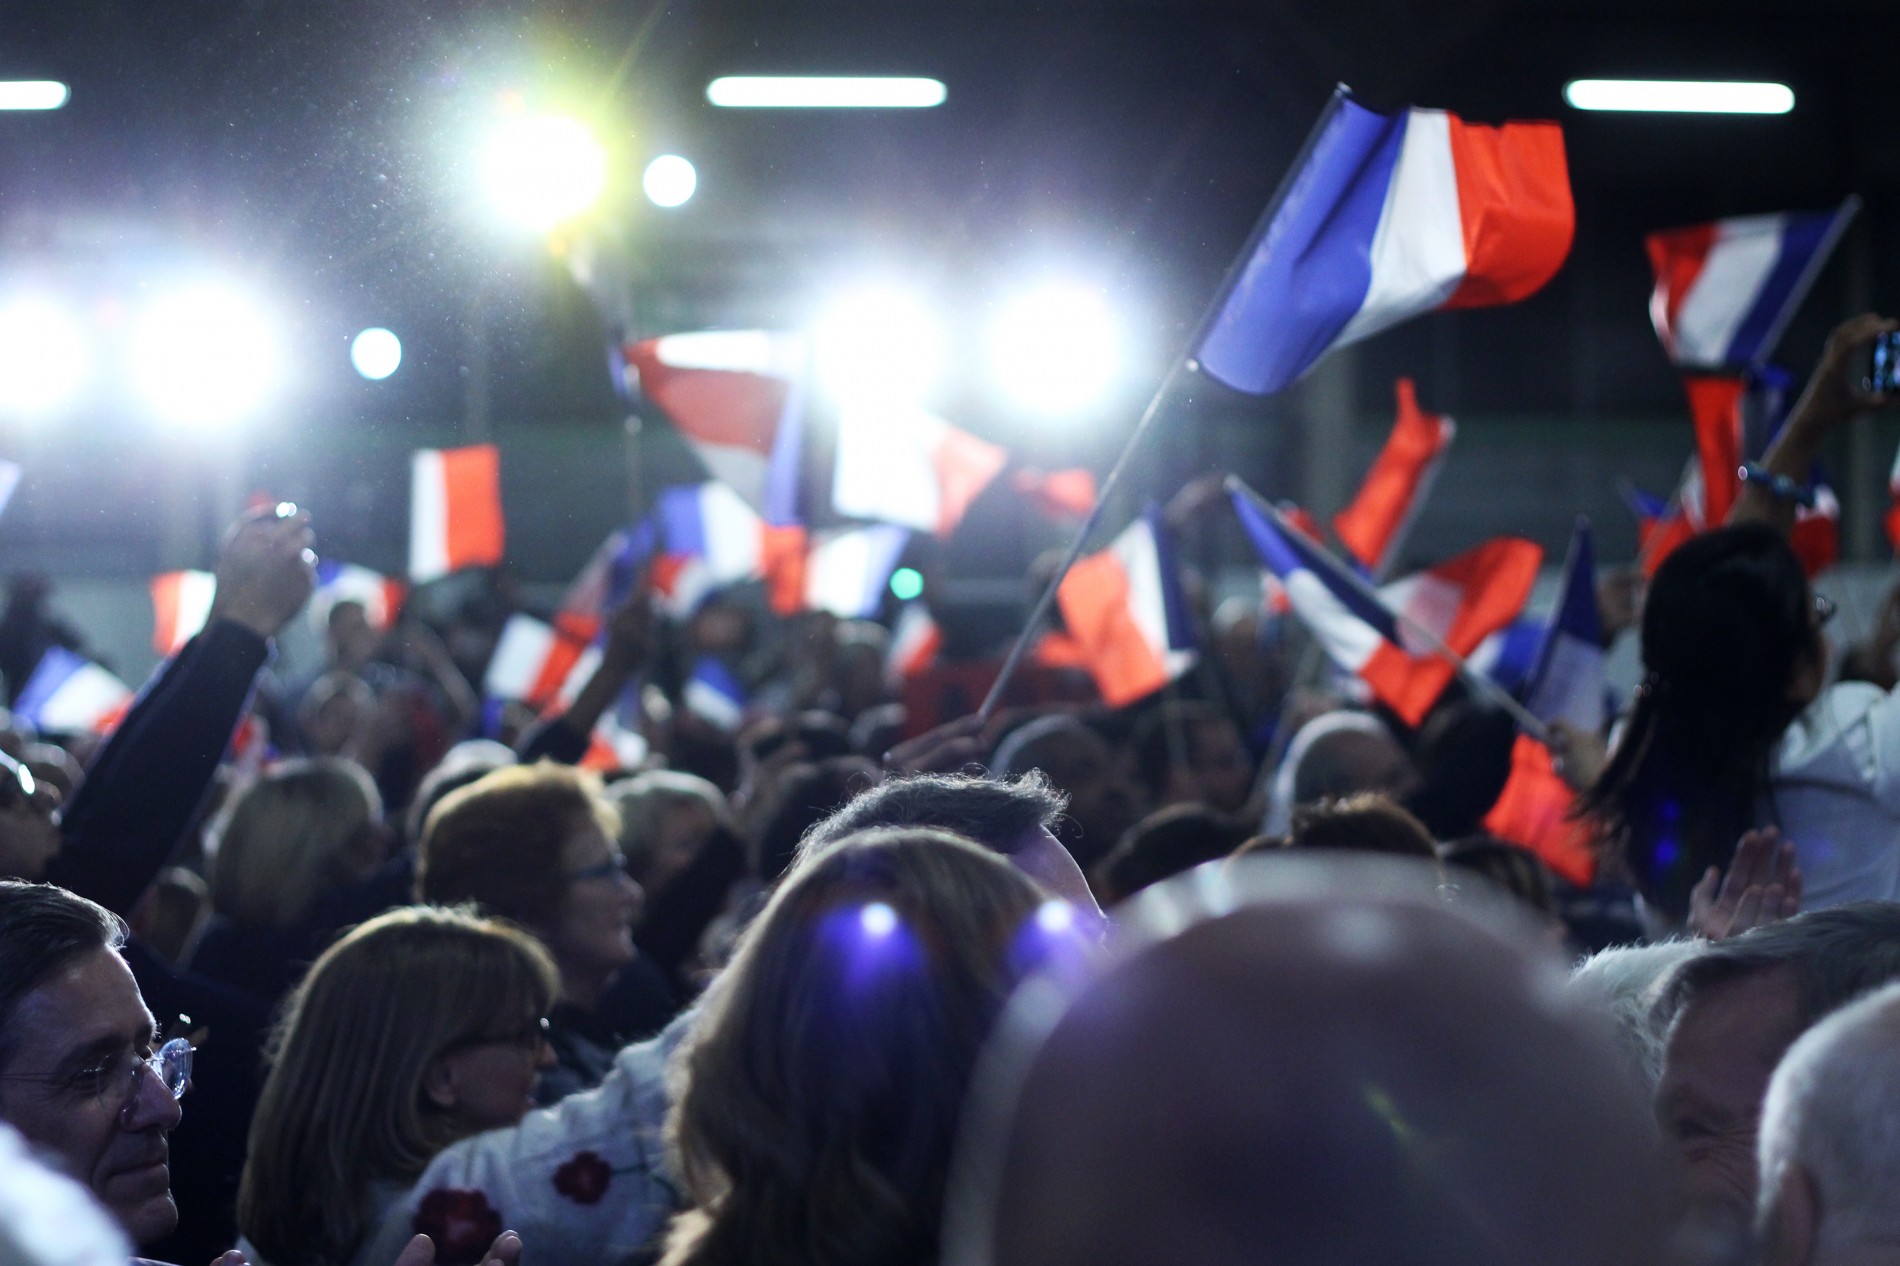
x,y
1762,885
266,570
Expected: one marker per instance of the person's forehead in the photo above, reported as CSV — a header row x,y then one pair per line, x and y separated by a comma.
x,y
1741,1025
89,1000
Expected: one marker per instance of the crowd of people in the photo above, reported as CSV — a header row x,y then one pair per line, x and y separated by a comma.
x,y
1233,974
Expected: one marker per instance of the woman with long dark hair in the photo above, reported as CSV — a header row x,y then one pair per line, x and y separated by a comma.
x,y
1734,727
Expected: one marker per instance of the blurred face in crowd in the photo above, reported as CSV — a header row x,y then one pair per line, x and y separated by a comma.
x,y
1101,802
1219,765
592,935
76,1087
1721,1053
490,1080
685,826
352,638
28,836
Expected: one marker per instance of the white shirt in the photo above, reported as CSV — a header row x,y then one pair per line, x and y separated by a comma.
x,y
1835,780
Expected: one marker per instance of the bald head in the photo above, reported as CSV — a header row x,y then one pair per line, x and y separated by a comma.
x,y
1321,1080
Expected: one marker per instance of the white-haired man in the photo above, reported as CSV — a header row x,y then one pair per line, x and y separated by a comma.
x,y
1830,1142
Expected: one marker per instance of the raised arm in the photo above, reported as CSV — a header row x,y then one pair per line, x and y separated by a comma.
x,y
1829,400
147,781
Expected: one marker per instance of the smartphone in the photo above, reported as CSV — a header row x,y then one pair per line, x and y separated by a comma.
x,y
1882,375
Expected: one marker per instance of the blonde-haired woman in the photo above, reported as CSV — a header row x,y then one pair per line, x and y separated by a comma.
x,y
421,1027
288,849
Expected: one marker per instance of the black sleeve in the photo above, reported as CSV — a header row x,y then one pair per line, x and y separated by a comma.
x,y
147,781
553,740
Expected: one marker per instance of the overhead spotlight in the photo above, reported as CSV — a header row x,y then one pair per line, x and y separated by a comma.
x,y
375,353
542,170
42,356
878,346
1056,349
1679,96
825,92
204,356
32,94
669,181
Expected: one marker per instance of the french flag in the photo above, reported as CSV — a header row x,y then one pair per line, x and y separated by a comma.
x,y
1567,682
538,664
847,570
69,694
1126,614
1057,493
454,510
605,580
1534,812
1382,218
1374,526
900,464
181,603
715,694
916,641
1725,290
737,397
380,596
710,538
1461,602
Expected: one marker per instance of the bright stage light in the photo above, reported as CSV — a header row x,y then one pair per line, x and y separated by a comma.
x,y
32,94
879,346
543,170
822,92
204,356
376,353
669,181
1679,96
42,357
1056,349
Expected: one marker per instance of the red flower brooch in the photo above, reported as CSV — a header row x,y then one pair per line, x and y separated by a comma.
x,y
583,1179
462,1224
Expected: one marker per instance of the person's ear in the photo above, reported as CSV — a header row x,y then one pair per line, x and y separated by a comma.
x,y
438,1084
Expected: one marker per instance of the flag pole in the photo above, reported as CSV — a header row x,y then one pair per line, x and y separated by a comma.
x,y
1525,719
1184,364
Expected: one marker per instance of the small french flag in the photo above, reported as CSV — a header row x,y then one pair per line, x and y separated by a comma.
x,y
1374,526
606,580
709,538
1385,217
1126,614
1725,290
69,694
1533,812
900,464
380,596
181,603
916,641
1567,682
846,570
1461,602
454,510
715,694
736,396
537,664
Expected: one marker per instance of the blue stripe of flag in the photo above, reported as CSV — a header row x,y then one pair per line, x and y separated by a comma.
x,y
1801,236
1285,553
682,526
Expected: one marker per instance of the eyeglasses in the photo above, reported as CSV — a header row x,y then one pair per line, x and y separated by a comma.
x,y
1824,609
615,865
529,1038
17,784
117,1076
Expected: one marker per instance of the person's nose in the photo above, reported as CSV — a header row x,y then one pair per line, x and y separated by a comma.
x,y
152,1105
544,1057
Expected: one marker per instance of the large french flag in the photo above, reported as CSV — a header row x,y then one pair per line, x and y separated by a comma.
x,y
69,694
181,603
538,664
1461,602
1386,216
454,510
380,596
709,538
737,396
1725,290
1567,682
900,464
1374,526
1126,614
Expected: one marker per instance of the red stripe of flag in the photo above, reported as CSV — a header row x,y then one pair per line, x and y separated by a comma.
x,y
1515,206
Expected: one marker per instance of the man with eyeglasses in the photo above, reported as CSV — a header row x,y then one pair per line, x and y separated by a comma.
x,y
83,1074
